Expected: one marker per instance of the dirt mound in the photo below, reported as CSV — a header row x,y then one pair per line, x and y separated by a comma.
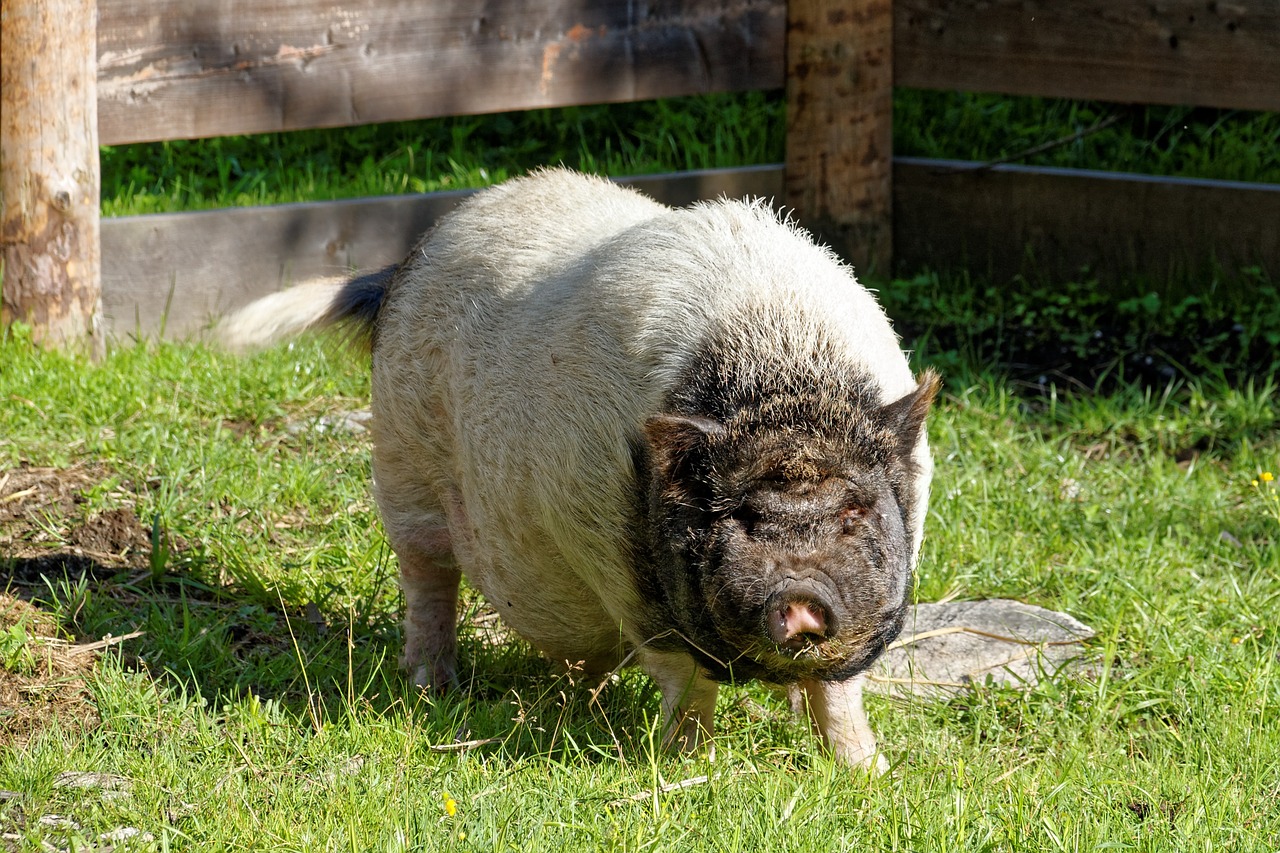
x,y
27,489
46,534
42,677
44,531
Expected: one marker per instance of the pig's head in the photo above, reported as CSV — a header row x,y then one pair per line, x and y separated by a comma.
x,y
781,529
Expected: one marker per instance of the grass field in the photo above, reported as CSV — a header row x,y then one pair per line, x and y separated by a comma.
x,y
657,136
262,709
219,505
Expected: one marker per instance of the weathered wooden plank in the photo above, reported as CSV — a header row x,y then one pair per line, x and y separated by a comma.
x,y
1216,54
679,189
175,273
840,124
174,69
1128,230
49,237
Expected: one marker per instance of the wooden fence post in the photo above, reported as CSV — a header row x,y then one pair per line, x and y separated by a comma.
x,y
840,125
49,190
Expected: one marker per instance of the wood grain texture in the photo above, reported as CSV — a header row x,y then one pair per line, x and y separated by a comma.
x,y
1129,230
49,188
175,273
174,69
1214,53
840,124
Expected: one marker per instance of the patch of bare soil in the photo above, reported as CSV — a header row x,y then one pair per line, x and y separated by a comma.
x,y
27,488
42,677
45,534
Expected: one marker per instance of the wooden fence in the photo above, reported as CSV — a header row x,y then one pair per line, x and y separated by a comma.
x,y
173,69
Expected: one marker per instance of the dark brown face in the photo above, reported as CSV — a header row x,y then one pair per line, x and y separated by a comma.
x,y
782,550
808,578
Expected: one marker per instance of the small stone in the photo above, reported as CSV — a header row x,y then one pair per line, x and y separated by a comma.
x,y
125,833
57,821
946,648
341,422
350,767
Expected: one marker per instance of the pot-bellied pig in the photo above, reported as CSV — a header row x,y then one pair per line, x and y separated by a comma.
x,y
684,433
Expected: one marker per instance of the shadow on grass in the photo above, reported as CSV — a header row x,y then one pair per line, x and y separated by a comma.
x,y
1048,336
208,632
232,645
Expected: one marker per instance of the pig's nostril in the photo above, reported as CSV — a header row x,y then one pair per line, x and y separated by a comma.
x,y
797,620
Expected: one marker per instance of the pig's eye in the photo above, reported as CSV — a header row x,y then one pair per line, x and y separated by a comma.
x,y
851,519
747,517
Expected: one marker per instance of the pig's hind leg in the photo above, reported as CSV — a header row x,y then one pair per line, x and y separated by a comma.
x,y
429,578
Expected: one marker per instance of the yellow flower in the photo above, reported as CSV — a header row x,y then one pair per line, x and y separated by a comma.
x,y
450,805
1255,484
1266,477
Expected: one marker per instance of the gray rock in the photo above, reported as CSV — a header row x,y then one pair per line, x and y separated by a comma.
x,y
947,648
340,422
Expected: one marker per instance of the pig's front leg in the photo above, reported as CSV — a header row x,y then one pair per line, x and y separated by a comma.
x,y
688,698
835,709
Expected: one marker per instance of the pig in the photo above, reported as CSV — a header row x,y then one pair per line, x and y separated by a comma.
x,y
685,438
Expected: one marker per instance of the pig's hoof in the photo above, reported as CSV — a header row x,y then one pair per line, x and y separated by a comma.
x,y
436,680
684,740
871,760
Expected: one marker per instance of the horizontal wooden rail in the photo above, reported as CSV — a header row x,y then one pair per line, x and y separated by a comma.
x,y
1196,52
178,69
174,273
177,272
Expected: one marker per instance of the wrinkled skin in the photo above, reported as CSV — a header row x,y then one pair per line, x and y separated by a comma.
x,y
779,522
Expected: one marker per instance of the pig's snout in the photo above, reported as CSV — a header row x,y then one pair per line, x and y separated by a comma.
x,y
798,615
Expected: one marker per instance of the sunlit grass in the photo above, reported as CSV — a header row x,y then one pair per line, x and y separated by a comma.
x,y
262,708
241,721
667,135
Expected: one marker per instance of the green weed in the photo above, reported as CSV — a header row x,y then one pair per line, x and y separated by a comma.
x,y
16,654
720,130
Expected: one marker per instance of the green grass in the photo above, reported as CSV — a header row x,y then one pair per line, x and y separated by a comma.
x,y
1177,141
241,723
656,136
450,153
1077,335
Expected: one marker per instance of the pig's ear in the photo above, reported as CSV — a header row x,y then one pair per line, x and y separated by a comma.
x,y
674,438
905,417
